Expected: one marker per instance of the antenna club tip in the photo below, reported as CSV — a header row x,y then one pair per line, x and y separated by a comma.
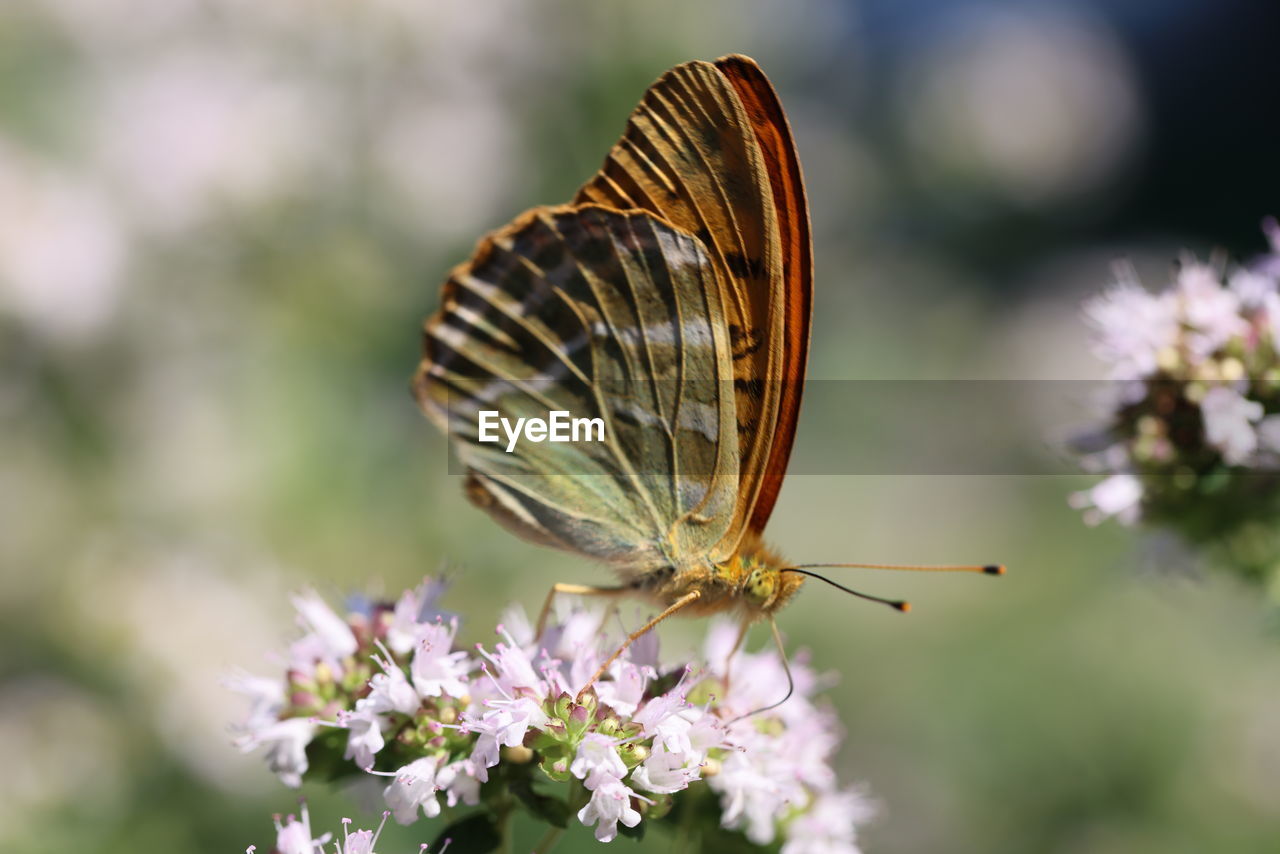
x,y
904,607
994,569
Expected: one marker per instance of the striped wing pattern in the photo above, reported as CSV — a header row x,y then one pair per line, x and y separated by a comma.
x,y
773,134
691,155
601,313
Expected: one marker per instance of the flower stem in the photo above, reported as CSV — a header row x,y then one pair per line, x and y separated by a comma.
x,y
685,834
502,818
548,840
576,799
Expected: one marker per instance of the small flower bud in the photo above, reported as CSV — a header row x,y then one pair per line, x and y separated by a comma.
x,y
1231,369
633,753
558,770
1167,359
323,673
518,755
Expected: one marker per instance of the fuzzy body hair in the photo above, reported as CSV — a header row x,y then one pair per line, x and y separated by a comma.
x,y
751,584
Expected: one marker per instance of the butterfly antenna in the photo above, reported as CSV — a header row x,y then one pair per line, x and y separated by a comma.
x,y
984,569
786,668
896,604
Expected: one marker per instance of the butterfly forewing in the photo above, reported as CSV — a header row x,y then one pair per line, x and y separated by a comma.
x,y
691,155
600,313
773,134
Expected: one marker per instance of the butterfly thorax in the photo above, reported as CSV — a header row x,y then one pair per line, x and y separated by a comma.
x,y
751,582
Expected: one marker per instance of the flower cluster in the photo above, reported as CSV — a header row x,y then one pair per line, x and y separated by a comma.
x,y
385,692
293,836
1193,438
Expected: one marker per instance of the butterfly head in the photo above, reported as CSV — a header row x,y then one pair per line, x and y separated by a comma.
x,y
767,588
759,581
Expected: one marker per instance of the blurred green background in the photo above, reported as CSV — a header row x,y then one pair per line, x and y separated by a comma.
x,y
222,222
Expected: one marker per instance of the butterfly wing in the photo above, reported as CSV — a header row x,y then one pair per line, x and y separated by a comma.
x,y
708,149
773,134
602,314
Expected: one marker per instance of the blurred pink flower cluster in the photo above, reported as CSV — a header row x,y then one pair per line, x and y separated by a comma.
x,y
386,692
1197,373
293,836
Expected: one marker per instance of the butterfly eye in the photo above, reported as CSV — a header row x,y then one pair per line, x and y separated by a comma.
x,y
760,587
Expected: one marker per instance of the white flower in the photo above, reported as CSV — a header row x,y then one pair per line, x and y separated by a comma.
x,y
512,667
184,130
460,783
332,633
266,698
625,690
359,841
414,608
660,718
679,728
435,669
828,826
597,761
576,650
504,724
285,744
294,835
773,773
414,787
365,735
1212,311
1271,308
610,803
1119,495
1132,328
770,776
1251,288
750,795
63,252
515,623
664,772
1228,423
1269,433
390,691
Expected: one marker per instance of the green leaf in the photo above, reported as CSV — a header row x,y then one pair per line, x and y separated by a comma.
x,y
324,756
554,811
636,833
695,815
473,834
664,683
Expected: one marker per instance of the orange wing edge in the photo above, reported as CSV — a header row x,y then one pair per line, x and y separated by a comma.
x,y
773,134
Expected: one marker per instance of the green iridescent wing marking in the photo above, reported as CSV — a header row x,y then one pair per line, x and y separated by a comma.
x,y
603,314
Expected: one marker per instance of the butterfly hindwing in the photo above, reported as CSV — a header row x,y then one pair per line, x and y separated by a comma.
x,y
601,314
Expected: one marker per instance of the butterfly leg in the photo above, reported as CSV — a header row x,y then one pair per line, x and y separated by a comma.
x,y
575,590
683,602
786,668
737,645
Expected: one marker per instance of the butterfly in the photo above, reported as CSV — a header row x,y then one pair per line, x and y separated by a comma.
x,y
670,300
